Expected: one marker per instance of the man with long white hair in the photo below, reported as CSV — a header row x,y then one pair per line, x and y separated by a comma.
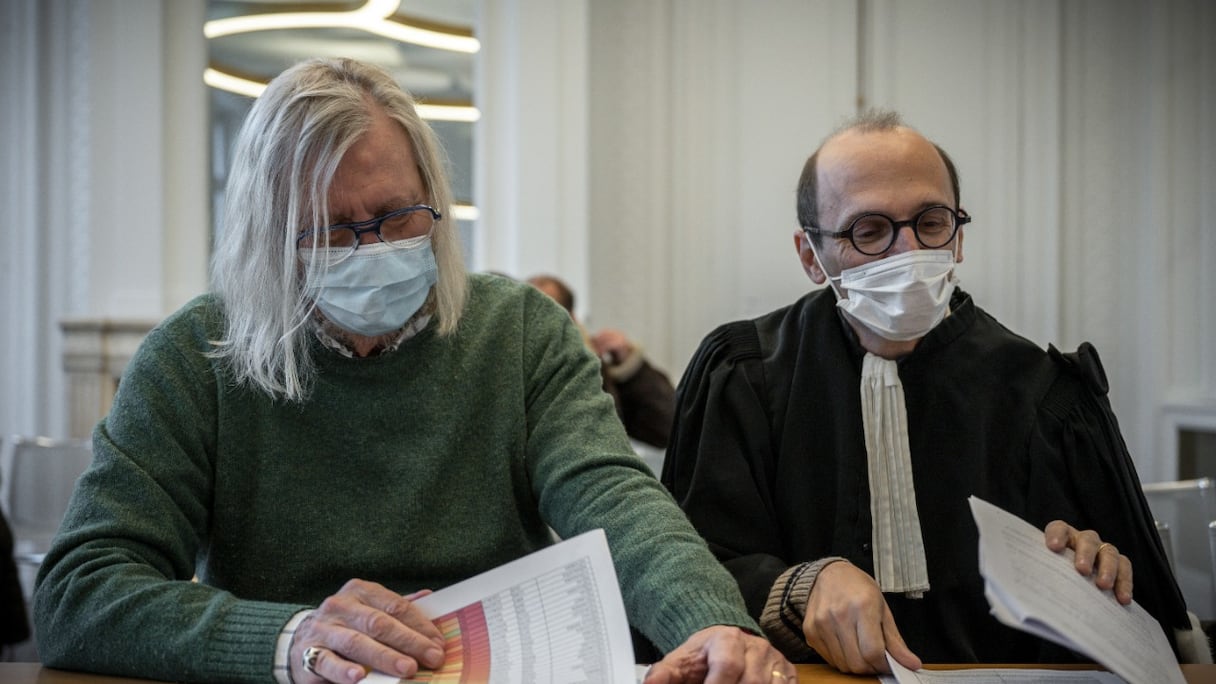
x,y
350,420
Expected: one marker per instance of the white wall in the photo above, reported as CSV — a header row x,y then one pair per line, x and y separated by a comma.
x,y
1082,130
103,181
648,151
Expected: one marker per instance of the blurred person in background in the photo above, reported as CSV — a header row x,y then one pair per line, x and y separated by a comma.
x,y
644,396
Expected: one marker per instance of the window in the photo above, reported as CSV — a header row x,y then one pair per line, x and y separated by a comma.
x,y
242,60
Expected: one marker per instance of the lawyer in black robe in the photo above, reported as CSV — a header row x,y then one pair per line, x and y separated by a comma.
x,y
768,459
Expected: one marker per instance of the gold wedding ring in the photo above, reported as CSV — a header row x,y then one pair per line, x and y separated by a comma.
x,y
1101,546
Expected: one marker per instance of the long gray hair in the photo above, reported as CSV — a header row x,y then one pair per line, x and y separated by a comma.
x,y
284,160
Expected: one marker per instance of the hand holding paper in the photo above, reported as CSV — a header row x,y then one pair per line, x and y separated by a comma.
x,y
1039,591
554,616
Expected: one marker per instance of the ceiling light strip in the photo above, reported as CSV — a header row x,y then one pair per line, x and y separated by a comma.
x,y
465,212
243,86
368,18
233,84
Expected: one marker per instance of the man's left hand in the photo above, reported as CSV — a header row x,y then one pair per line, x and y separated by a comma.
x,y
1113,570
723,655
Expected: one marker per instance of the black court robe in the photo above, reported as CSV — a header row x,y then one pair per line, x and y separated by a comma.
x,y
768,459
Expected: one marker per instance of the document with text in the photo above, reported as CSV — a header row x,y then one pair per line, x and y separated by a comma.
x,y
552,617
1037,590
1034,589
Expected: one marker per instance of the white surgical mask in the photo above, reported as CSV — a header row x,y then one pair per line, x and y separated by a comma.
x,y
378,288
901,297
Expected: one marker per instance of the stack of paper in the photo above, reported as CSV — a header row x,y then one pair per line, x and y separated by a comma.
x,y
1039,591
1036,590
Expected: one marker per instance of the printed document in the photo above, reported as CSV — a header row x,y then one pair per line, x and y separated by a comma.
x,y
1036,590
1039,591
903,675
552,617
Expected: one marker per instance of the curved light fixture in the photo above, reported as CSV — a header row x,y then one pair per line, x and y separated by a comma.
x,y
372,17
465,212
223,80
233,84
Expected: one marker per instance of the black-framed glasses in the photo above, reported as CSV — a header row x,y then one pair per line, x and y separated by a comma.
x,y
393,228
874,233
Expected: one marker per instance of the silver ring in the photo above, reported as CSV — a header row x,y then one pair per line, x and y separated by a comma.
x,y
310,659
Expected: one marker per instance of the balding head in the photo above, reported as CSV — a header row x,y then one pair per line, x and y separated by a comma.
x,y
876,123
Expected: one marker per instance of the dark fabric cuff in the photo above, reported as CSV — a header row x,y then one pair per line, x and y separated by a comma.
x,y
785,608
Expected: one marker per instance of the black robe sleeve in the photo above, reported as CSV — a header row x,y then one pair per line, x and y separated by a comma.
x,y
721,437
1079,437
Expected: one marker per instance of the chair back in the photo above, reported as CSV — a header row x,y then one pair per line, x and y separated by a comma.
x,y
1183,509
652,455
39,474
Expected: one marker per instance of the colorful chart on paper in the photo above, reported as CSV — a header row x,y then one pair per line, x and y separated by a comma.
x,y
466,649
552,617
548,629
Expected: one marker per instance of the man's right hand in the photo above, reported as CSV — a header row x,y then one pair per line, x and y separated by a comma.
x,y
849,624
365,627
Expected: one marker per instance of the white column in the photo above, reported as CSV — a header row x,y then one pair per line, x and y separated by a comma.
x,y
21,312
531,149
702,116
106,182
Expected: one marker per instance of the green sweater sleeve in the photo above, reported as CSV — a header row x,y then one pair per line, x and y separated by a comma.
x,y
585,475
115,595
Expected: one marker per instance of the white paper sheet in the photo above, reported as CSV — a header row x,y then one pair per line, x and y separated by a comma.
x,y
902,675
552,617
1039,591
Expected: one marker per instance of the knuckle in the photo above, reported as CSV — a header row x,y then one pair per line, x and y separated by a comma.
x,y
346,641
331,604
352,586
820,622
399,606
376,624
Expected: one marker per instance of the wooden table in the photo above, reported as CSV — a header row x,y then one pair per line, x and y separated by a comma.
x,y
34,673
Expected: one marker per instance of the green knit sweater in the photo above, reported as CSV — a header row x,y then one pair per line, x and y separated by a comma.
x,y
416,469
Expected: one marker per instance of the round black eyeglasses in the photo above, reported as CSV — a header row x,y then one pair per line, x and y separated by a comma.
x,y
873,234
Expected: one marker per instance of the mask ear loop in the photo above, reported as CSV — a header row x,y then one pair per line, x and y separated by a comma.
x,y
810,241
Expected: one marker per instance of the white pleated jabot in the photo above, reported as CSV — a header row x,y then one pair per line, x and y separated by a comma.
x,y
899,549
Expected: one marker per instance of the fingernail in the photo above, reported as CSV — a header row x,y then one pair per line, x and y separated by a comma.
x,y
434,656
402,666
354,674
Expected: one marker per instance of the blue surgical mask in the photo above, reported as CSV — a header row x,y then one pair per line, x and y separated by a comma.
x,y
377,288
